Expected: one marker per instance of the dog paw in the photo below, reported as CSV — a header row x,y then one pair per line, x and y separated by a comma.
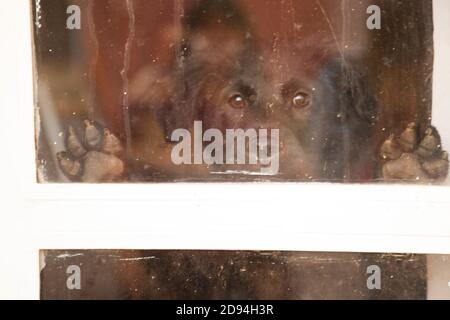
x,y
414,158
93,155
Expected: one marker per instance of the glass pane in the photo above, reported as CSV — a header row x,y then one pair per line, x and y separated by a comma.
x,y
197,90
224,275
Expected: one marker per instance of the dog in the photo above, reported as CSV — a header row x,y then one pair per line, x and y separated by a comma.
x,y
224,79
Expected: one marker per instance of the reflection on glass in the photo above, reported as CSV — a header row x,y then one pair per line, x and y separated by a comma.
x,y
132,91
186,275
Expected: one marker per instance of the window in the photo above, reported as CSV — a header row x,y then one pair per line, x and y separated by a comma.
x,y
208,216
151,91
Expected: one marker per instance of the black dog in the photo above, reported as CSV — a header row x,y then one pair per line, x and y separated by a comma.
x,y
223,78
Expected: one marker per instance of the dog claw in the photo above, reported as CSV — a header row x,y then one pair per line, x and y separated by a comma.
x,y
429,145
408,139
92,136
390,150
111,144
74,144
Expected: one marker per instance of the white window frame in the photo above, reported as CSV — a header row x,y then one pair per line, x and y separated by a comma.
x,y
228,216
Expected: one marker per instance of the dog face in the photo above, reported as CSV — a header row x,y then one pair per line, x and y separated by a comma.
x,y
221,78
332,113
225,80
227,93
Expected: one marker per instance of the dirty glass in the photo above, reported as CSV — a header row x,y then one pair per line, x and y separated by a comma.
x,y
250,90
243,275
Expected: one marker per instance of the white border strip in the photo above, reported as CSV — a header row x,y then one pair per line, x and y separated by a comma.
x,y
306,217
441,76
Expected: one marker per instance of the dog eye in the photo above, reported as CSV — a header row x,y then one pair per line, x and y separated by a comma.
x,y
300,100
238,101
